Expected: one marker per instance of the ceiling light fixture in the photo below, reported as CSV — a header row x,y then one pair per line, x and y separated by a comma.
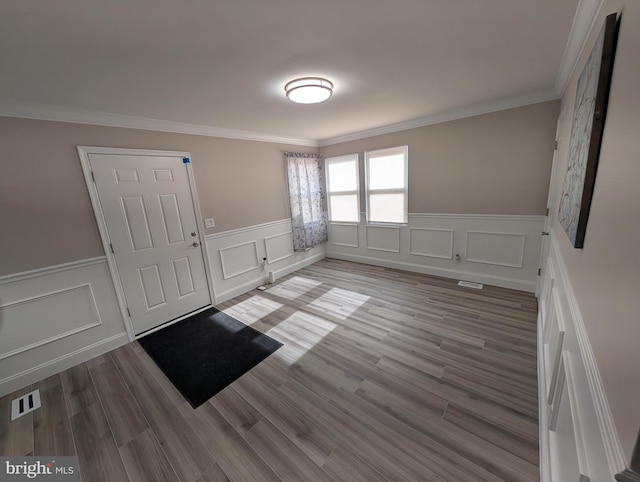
x,y
309,90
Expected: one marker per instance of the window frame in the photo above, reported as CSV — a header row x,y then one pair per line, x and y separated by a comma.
x,y
404,151
338,160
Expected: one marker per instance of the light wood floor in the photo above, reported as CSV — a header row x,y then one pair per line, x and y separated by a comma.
x,y
384,375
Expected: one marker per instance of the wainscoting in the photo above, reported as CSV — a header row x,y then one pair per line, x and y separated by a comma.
x,y
54,318
237,257
578,439
498,250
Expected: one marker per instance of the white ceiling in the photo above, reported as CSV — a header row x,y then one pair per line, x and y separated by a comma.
x,y
222,64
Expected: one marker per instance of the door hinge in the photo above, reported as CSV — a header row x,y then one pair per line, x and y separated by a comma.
x,y
555,146
93,177
547,214
128,312
539,271
111,246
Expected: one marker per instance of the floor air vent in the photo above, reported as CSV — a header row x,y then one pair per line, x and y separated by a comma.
x,y
25,404
469,284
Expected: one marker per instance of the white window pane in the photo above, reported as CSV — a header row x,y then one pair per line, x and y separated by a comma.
x,y
387,208
343,176
387,172
344,208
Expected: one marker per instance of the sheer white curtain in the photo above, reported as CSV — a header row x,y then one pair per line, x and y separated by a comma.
x,y
307,199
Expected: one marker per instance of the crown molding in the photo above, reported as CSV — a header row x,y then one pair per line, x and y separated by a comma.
x,y
583,22
469,111
26,110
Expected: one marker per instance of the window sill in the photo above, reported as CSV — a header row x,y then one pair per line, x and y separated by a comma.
x,y
386,225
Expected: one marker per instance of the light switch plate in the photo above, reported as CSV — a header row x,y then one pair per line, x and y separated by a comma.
x,y
209,223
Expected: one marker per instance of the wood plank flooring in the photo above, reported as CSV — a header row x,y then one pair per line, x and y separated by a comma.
x,y
384,376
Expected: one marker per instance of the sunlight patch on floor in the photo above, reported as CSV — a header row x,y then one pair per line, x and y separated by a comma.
x,y
300,332
253,309
339,303
294,287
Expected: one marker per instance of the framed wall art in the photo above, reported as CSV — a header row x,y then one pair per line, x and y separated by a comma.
x,y
589,114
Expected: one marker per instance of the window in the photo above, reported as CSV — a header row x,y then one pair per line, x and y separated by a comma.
x,y
387,185
343,188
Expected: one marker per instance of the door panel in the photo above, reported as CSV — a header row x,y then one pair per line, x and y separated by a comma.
x,y
171,217
126,175
137,224
183,274
148,209
163,175
152,286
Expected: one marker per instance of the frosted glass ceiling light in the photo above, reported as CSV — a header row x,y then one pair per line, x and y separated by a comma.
x,y
309,90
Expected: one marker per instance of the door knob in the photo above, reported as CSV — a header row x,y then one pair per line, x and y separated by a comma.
x,y
195,244
193,233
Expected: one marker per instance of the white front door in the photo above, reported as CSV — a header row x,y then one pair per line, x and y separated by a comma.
x,y
150,218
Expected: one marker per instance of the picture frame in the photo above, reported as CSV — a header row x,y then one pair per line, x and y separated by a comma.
x,y
592,95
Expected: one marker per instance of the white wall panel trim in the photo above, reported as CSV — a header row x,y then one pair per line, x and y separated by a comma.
x,y
227,270
589,445
572,391
414,250
271,239
254,282
55,318
12,278
370,238
94,308
543,410
612,445
345,226
425,244
518,264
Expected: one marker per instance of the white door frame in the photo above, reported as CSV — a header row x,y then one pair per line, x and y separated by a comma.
x,y
551,209
83,153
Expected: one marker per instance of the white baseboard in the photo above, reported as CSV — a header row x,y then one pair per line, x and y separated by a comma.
x,y
61,363
543,412
502,282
